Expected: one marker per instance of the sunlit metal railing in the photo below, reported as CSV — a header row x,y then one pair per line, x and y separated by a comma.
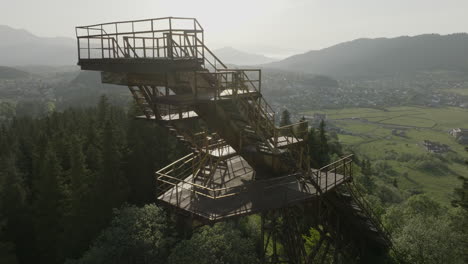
x,y
149,38
334,173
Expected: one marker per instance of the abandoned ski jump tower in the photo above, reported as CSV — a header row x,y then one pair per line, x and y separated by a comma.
x,y
240,162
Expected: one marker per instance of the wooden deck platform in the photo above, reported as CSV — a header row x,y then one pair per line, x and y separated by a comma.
x,y
220,152
235,192
172,117
190,99
140,65
284,141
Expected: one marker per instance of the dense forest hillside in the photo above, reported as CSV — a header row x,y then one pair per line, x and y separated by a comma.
x,y
384,56
77,187
62,175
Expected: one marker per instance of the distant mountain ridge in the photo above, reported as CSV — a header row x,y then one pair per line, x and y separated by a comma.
x,y
12,73
383,56
230,55
20,47
357,58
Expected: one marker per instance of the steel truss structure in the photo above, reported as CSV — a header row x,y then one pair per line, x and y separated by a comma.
x,y
240,163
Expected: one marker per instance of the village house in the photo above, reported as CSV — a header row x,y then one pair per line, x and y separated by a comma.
x,y
460,134
435,147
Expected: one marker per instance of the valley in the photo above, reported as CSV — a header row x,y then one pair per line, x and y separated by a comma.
x,y
393,139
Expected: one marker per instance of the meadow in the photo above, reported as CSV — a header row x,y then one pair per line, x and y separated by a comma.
x,y
394,136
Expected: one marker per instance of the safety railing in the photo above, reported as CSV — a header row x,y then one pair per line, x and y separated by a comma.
x,y
290,134
218,83
169,112
173,181
249,78
227,82
250,81
365,206
181,184
179,169
334,173
367,209
168,46
165,37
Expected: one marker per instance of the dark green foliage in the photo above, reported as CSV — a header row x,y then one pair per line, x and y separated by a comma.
x,y
48,206
7,110
366,179
461,220
135,235
313,146
461,194
220,243
111,185
285,118
80,201
323,149
12,206
319,148
425,232
61,176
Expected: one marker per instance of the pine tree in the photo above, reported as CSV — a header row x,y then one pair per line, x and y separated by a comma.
x,y
103,109
111,187
323,149
313,148
285,118
92,147
77,222
366,179
78,171
13,213
49,207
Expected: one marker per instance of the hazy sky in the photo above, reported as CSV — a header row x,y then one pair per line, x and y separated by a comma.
x,y
274,26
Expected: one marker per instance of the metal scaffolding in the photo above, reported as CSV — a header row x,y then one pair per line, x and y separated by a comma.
x,y
240,162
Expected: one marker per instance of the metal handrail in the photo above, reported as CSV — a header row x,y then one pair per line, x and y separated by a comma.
x,y
144,20
126,29
335,162
214,191
363,204
332,169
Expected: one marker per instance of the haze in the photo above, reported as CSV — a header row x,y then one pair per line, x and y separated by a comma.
x,y
272,27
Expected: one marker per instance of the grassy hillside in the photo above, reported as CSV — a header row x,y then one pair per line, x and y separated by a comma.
x,y
393,138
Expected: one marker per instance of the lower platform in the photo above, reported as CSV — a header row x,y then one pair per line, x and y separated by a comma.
x,y
234,192
172,117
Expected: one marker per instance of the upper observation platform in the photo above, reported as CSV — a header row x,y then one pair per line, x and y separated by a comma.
x,y
143,46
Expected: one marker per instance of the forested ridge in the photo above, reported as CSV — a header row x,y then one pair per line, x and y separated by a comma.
x,y
78,187
63,174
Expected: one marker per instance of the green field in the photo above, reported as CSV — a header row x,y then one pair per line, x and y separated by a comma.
x,y
368,132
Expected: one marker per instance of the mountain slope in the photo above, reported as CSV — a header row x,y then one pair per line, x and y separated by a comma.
x,y
19,47
230,55
383,56
12,73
